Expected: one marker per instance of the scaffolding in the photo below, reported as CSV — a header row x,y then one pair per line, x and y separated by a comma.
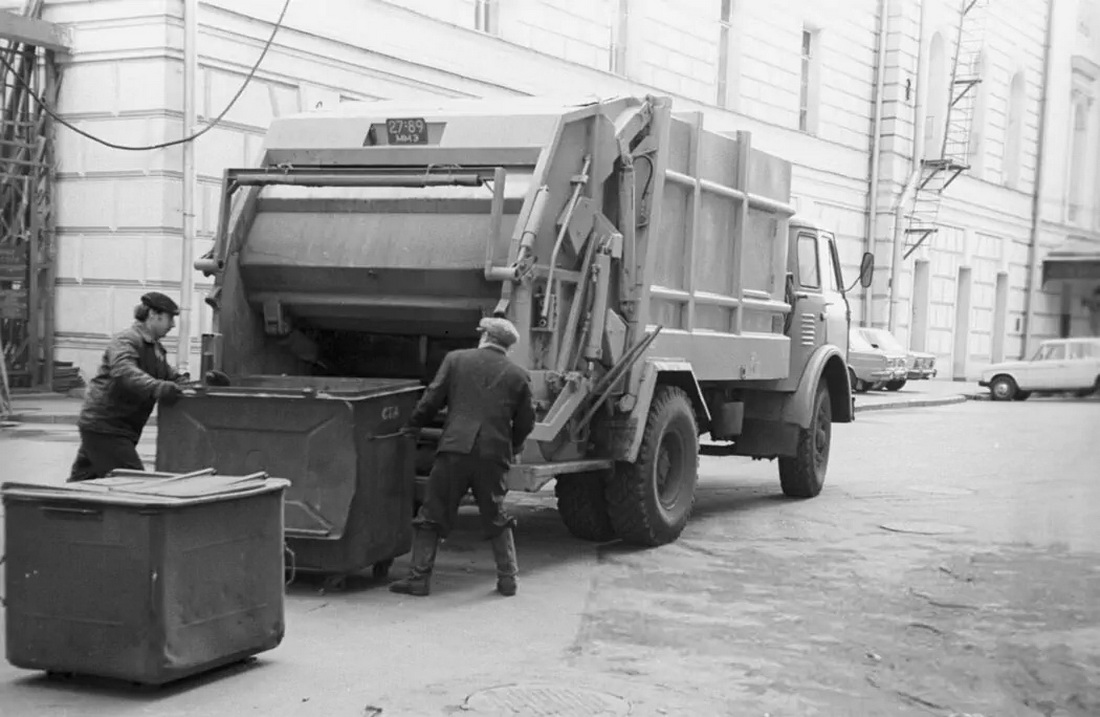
x,y
28,48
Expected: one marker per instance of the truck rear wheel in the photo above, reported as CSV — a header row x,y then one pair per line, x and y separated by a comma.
x,y
649,501
583,506
803,475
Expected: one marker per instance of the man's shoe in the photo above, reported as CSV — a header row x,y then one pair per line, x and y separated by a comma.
x,y
425,544
506,586
504,552
412,586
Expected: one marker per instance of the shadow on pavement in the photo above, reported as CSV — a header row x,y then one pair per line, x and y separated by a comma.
x,y
465,558
132,691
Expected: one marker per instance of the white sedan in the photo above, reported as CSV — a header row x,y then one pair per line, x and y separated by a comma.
x,y
1059,365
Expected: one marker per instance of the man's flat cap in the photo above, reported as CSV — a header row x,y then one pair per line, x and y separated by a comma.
x,y
159,302
500,331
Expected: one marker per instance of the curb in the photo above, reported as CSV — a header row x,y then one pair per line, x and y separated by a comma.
x,y
70,418
915,403
55,418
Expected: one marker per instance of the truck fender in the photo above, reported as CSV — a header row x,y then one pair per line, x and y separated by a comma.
x,y
656,372
828,365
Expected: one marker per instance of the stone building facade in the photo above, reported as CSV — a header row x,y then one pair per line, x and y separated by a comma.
x,y
803,75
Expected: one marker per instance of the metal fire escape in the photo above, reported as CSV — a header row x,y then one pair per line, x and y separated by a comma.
x,y
953,158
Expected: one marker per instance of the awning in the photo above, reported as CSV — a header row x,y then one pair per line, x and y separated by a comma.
x,y
1076,262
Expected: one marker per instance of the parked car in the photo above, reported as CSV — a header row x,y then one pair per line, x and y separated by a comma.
x,y
1060,365
920,365
869,367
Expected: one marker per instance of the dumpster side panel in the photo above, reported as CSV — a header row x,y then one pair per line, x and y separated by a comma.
x,y
101,628
310,443
379,526
222,584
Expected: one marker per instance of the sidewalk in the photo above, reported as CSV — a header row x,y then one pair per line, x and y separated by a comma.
x,y
62,409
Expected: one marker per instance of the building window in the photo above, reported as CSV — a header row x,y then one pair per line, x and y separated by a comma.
x,y
807,96
620,23
1014,132
1078,173
975,151
725,21
486,16
938,99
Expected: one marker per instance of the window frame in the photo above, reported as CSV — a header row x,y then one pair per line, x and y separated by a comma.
x,y
809,74
813,241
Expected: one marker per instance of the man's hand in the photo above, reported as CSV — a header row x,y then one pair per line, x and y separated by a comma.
x,y
168,392
183,379
216,378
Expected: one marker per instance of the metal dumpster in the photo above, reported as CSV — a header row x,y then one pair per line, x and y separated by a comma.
x,y
140,577
349,505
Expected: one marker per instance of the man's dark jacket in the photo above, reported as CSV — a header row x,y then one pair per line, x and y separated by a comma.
x,y
120,398
489,406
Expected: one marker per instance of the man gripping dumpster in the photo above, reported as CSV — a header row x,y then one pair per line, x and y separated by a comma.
x,y
133,375
489,415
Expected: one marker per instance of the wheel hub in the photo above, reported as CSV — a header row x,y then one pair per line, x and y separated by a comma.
x,y
669,458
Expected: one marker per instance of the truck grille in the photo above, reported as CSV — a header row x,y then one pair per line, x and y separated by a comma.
x,y
809,329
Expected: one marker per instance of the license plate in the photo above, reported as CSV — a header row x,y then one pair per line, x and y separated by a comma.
x,y
407,130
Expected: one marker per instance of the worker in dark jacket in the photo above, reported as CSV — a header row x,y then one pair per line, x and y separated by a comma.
x,y
489,415
132,377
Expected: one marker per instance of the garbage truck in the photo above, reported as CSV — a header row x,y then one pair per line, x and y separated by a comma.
x,y
663,292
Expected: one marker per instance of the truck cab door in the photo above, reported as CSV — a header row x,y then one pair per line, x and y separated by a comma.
x,y
808,328
836,313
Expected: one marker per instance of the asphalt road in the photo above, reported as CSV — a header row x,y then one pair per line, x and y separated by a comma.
x,y
952,566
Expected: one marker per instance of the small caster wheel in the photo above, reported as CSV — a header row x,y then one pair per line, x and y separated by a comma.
x,y
334,583
380,571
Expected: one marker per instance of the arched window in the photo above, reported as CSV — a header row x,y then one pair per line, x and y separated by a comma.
x,y
975,151
935,116
1078,190
1014,130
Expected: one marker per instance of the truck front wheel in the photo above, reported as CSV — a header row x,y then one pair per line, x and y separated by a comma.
x,y
583,506
649,501
803,475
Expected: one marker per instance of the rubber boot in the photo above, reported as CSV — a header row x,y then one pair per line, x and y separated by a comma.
x,y
504,550
425,544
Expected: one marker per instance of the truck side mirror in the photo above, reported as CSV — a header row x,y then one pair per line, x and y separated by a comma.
x,y
867,269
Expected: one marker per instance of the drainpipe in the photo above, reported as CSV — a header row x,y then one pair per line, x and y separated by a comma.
x,y
906,194
876,140
190,179
1036,193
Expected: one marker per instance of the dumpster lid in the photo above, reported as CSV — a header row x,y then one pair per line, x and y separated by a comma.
x,y
313,387
141,488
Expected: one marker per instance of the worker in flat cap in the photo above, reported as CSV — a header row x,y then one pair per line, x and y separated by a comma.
x,y
490,413
133,375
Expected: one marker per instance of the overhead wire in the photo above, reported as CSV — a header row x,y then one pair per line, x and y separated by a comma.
x,y
160,145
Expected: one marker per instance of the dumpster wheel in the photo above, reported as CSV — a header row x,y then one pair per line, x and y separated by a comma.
x,y
381,569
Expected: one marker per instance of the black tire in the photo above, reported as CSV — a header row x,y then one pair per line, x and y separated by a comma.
x,y
1086,392
803,475
582,505
895,385
852,380
649,501
1002,388
1022,396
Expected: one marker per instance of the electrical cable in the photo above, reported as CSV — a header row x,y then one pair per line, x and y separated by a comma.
x,y
183,140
